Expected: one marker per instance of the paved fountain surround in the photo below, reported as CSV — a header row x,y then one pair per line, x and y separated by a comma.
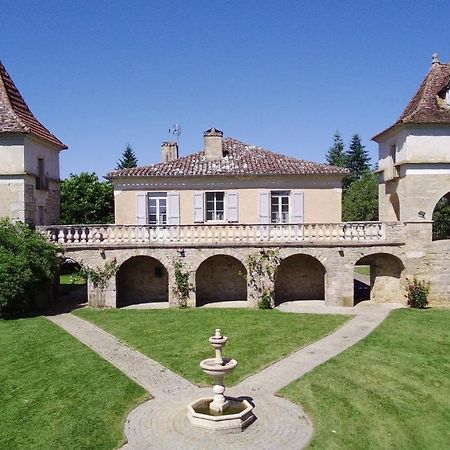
x,y
220,413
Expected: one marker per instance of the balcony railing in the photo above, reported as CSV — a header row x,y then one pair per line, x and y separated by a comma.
x,y
112,235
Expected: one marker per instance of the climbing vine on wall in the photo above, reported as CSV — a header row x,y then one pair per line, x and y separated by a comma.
x,y
100,276
182,288
262,268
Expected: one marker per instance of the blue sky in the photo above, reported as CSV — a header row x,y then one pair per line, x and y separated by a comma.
x,y
282,74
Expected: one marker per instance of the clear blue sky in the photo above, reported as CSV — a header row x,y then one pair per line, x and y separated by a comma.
x,y
280,74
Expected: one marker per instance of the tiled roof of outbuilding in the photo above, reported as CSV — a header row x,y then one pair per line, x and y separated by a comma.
x,y
428,104
238,159
15,116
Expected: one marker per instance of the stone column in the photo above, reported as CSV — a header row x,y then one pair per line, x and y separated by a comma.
x,y
339,284
98,298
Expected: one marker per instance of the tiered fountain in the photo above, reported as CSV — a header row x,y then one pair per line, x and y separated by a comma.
x,y
220,412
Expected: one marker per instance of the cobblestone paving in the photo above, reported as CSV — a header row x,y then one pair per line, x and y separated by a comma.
x,y
161,423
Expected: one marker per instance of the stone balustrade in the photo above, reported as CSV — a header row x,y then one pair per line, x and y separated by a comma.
x,y
234,234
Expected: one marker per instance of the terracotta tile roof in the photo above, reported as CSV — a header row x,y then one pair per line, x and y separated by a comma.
x,y
239,159
15,116
428,104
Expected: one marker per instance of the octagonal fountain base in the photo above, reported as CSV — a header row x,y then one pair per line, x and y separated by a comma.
x,y
237,415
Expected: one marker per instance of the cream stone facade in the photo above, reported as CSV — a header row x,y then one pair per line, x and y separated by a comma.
x,y
29,161
268,201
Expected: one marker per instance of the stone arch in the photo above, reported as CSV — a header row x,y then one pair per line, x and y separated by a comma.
x,y
300,277
441,218
384,280
71,285
142,279
220,278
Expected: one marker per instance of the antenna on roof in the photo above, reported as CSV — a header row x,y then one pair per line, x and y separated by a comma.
x,y
175,131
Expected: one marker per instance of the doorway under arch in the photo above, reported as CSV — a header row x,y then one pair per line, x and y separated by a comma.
x,y
220,278
142,279
300,277
383,278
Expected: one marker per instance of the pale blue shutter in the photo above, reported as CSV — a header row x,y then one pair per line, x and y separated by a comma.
x,y
198,207
141,208
173,216
264,203
232,200
297,207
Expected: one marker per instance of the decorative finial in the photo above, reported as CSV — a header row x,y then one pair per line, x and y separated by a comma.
x,y
218,333
435,58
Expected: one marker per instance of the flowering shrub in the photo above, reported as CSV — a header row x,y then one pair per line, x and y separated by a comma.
x,y
417,292
182,287
99,276
262,268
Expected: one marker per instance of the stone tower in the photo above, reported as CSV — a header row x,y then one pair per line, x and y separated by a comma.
x,y
29,161
414,153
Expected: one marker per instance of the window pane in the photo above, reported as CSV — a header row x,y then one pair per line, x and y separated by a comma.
x,y
209,215
220,195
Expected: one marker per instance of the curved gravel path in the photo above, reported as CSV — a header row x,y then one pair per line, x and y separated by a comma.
x,y
161,423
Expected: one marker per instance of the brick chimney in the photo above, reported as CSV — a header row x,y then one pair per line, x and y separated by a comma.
x,y
169,151
213,144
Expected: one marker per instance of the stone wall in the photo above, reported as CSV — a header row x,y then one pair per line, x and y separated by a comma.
x,y
300,277
220,278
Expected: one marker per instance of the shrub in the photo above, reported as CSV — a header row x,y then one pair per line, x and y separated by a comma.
x,y
182,287
28,264
417,292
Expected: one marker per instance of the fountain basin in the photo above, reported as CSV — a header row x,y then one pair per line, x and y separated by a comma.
x,y
235,417
211,367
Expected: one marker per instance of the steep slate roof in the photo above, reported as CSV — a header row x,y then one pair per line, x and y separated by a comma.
x,y
15,116
238,159
428,104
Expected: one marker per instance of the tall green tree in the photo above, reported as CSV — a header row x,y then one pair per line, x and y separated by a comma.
x,y
360,201
336,154
128,159
441,218
357,160
85,199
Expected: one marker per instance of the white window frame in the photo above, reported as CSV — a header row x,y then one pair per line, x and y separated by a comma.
x,y
215,211
282,216
157,196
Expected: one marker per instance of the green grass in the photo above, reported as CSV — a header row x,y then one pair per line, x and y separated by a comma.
x,y
56,393
179,338
71,278
362,270
390,391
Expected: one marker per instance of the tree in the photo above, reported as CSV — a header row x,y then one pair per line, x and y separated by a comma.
x,y
28,264
85,199
441,218
336,153
128,159
360,201
357,160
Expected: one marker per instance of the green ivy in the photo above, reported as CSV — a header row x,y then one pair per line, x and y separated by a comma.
x,y
100,276
182,287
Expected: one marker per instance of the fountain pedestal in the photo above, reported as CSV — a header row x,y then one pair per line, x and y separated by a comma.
x,y
220,412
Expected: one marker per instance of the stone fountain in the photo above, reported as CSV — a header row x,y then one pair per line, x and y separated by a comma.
x,y
220,412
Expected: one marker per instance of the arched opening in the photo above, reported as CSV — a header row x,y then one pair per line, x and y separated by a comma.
x,y
220,278
441,218
141,279
395,204
381,278
72,285
300,277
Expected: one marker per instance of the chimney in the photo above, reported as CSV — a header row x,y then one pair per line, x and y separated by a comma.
x,y
169,151
213,144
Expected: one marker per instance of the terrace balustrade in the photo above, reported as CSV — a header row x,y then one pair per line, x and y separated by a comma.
x,y
223,234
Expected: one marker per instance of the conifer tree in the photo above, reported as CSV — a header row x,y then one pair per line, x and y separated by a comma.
x,y
356,160
336,154
128,159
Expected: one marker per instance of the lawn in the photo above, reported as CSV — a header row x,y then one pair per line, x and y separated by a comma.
x,y
179,338
362,270
56,393
392,390
71,278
